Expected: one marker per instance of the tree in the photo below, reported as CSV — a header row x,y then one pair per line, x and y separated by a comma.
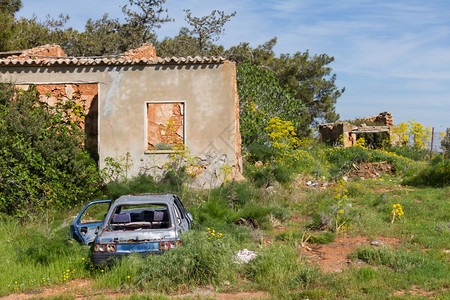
x,y
7,10
262,98
312,83
184,44
100,37
141,24
10,6
308,80
208,28
42,164
262,55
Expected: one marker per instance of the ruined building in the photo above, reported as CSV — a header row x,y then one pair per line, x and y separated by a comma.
x,y
142,107
347,133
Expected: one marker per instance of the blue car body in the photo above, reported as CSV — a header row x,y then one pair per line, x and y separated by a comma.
x,y
149,223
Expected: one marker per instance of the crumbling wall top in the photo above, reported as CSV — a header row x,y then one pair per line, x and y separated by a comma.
x,y
146,51
45,52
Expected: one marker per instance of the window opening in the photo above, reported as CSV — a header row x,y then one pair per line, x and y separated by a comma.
x,y
165,125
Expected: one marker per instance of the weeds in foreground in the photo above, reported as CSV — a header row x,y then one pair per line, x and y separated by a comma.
x,y
206,257
31,261
435,174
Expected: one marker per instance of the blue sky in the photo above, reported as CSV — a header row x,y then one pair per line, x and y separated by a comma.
x,y
389,55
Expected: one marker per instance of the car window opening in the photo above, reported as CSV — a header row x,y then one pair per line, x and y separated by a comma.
x,y
138,217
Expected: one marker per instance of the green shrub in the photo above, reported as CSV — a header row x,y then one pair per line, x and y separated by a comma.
x,y
232,201
236,194
38,249
436,174
325,237
268,174
343,159
396,259
410,152
42,163
30,260
137,185
258,152
201,260
215,211
291,236
276,269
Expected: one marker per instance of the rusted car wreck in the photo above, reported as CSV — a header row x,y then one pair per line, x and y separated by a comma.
x,y
144,224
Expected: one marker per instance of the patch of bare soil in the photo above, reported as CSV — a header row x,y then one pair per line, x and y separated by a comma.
x,y
81,289
242,295
210,293
373,170
415,291
332,257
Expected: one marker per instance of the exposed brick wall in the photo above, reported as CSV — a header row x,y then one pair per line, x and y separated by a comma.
x,y
82,93
165,125
384,118
45,50
145,51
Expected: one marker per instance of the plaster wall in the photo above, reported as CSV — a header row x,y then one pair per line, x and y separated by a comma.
x,y
207,91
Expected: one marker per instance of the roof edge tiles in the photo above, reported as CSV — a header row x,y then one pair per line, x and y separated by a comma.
x,y
80,61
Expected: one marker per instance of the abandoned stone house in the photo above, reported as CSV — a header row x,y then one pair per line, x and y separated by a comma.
x,y
348,133
140,106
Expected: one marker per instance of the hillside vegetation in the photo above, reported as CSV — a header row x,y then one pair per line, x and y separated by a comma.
x,y
320,230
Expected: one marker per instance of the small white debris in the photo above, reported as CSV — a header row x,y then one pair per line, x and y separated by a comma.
x,y
244,256
376,243
310,183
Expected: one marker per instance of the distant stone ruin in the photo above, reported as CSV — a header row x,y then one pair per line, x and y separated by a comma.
x,y
347,133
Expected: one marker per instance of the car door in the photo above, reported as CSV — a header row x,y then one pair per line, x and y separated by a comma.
x,y
85,226
186,216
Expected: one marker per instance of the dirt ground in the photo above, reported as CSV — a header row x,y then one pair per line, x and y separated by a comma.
x,y
332,257
81,289
368,170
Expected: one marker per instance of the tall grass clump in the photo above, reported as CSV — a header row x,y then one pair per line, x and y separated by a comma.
x,y
410,152
277,270
205,257
344,159
30,259
232,201
396,259
137,185
435,174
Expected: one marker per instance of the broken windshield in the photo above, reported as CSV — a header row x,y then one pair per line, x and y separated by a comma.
x,y
142,216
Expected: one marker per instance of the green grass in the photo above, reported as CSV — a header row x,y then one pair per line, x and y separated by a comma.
x,y
203,259
419,261
30,260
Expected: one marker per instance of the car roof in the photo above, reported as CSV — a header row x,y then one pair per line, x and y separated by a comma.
x,y
145,198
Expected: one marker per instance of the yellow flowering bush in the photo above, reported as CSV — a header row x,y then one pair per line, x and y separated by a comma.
x,y
412,132
283,138
419,134
281,134
400,133
361,142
